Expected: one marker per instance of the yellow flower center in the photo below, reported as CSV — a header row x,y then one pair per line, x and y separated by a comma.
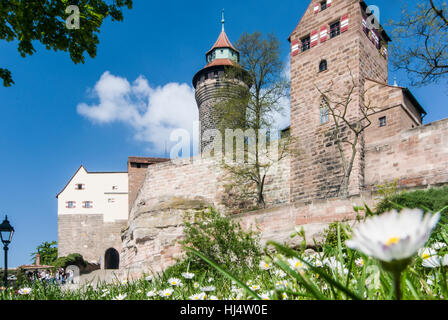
x,y
392,241
425,256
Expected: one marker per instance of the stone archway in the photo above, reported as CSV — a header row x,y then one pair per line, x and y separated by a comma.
x,y
111,259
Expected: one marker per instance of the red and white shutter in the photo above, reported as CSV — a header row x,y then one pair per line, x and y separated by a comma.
x,y
344,23
323,34
314,38
364,24
329,3
316,8
295,48
375,39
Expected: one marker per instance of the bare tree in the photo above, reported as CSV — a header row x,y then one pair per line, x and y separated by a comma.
x,y
254,110
420,45
347,124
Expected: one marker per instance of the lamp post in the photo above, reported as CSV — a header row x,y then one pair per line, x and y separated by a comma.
x,y
6,232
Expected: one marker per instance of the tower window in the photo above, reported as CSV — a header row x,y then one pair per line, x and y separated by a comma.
x,y
324,111
323,5
306,43
335,29
383,122
323,65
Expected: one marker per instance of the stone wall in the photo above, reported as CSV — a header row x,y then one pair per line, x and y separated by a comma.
x,y
88,235
151,240
417,157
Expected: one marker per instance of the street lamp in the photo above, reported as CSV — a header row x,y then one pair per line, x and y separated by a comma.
x,y
6,232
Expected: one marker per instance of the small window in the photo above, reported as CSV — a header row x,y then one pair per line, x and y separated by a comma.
x,y
323,65
79,186
114,187
335,29
71,204
111,200
383,122
88,204
323,5
306,43
324,111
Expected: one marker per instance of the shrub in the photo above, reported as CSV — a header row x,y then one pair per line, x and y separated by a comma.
x,y
72,259
331,235
433,200
221,239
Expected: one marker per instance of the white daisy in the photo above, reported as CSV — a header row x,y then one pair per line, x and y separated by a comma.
x,y
393,236
25,291
124,282
359,262
175,282
296,264
280,273
426,253
438,245
196,285
151,293
208,289
120,297
166,293
265,266
199,296
149,278
255,287
214,298
188,276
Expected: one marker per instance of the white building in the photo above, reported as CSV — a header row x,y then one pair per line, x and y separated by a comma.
x,y
92,210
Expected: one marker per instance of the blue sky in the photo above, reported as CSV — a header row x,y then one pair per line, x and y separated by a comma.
x,y
46,136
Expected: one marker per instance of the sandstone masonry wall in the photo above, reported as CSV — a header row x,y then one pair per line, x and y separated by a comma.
x,y
417,157
88,235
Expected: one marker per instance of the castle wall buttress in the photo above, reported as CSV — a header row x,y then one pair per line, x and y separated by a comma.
x,y
351,57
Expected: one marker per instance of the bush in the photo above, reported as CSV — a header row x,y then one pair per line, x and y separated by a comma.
x,y
331,235
221,239
433,200
72,259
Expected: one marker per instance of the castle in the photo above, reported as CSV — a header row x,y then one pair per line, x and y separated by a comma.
x,y
331,45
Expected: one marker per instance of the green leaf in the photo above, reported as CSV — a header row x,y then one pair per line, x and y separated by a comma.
x,y
321,273
225,273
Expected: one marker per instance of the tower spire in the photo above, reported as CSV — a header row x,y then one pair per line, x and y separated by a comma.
x,y
223,21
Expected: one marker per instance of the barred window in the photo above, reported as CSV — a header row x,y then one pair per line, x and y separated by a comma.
x,y
306,42
323,65
335,29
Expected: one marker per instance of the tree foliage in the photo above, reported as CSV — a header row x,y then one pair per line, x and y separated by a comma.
x,y
255,110
44,21
48,253
420,45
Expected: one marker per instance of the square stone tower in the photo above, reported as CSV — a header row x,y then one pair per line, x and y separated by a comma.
x,y
334,42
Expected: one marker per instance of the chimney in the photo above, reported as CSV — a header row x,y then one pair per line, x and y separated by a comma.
x,y
38,259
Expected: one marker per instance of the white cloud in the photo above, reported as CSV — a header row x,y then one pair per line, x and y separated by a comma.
x,y
153,113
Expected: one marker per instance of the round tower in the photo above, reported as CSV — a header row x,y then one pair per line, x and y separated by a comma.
x,y
209,82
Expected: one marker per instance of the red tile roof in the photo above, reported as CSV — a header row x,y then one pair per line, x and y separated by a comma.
x,y
221,62
222,42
